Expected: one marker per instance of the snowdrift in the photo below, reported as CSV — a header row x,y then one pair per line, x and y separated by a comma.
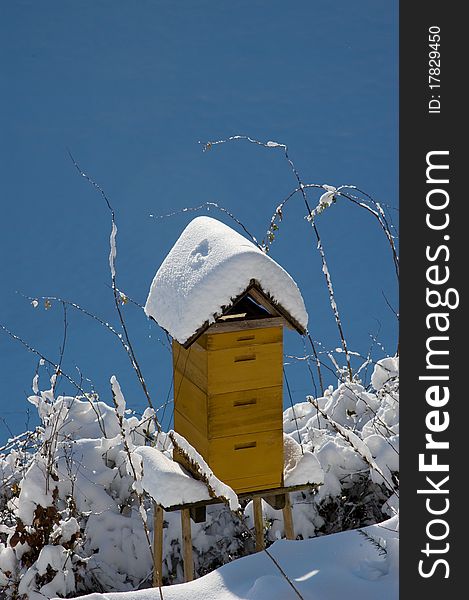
x,y
361,565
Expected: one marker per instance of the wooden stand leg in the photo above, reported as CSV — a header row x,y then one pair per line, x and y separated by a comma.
x,y
258,522
187,544
157,545
288,519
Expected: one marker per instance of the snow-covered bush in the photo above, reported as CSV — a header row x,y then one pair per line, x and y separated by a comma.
x,y
74,518
354,433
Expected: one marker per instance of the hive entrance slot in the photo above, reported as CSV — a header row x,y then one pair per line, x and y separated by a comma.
x,y
245,358
246,338
232,317
244,402
245,446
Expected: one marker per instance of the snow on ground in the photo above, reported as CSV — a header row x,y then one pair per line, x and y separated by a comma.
x,y
209,265
333,567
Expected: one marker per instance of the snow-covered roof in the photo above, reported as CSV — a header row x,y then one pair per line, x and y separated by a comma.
x,y
208,267
169,484
166,481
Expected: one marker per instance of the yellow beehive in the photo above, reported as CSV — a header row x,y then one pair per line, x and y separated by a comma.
x,y
228,362
228,401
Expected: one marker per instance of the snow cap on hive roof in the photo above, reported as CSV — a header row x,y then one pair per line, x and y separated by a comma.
x,y
208,267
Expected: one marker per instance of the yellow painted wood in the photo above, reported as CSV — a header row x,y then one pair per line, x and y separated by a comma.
x,y
247,368
247,455
228,404
241,338
242,325
288,519
245,411
187,545
230,369
157,545
258,522
265,481
225,414
191,363
191,402
191,433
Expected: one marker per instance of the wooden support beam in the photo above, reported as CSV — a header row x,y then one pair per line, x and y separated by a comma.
x,y
258,522
198,514
245,496
157,545
276,501
288,519
187,544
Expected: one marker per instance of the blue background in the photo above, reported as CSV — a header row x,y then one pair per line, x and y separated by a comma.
x,y
130,89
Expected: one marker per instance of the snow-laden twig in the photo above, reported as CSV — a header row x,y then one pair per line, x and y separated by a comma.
x,y
378,214
62,347
57,370
333,302
310,371
320,247
113,249
376,543
87,313
16,440
317,362
358,445
293,409
208,206
120,406
328,197
347,386
116,294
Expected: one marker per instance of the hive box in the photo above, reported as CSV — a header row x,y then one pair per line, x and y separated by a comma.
x,y
228,401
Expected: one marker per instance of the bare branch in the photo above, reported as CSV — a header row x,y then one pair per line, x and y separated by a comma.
x,y
57,370
320,247
209,205
116,294
348,436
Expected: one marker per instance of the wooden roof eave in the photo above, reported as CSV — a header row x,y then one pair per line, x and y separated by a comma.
x,y
255,290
